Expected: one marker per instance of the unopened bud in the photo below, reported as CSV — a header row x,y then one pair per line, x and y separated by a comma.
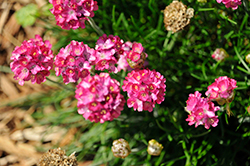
x,y
120,148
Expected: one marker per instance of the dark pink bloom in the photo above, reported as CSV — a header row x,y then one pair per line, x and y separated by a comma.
x,y
71,14
230,3
32,60
99,98
74,61
222,88
144,88
110,54
201,111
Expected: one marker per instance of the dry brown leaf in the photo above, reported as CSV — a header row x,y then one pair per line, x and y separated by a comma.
x,y
68,137
8,87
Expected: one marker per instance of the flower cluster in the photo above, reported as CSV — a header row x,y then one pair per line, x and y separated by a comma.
x,y
73,61
120,148
201,111
144,88
73,13
136,56
32,61
110,51
99,98
221,90
219,54
230,3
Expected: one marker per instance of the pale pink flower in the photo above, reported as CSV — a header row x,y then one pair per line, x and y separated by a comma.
x,y
219,54
144,88
99,98
201,111
32,61
74,61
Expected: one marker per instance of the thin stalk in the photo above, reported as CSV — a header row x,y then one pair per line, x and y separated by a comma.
x,y
242,61
59,84
95,27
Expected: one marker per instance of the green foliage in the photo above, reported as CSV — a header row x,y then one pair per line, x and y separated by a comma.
x,y
184,58
27,15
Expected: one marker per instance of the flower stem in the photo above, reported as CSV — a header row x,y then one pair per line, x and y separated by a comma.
x,y
63,86
95,27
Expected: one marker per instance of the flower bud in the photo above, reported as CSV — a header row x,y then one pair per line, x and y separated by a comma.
x,y
120,148
248,58
154,147
219,54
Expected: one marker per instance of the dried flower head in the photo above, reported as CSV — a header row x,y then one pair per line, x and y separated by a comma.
x,y
154,147
120,148
57,157
177,16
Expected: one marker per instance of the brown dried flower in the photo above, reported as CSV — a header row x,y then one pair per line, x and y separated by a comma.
x,y
57,157
120,148
177,16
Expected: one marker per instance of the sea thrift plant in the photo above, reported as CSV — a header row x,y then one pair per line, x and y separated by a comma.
x,y
144,88
201,111
32,61
71,14
219,54
222,90
74,61
230,3
136,56
110,54
120,148
99,98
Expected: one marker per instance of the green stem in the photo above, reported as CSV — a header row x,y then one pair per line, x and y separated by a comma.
x,y
95,27
205,9
63,86
242,61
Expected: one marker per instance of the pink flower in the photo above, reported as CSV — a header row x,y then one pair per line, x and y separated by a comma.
x,y
144,88
219,54
73,61
99,98
136,55
230,3
110,54
221,90
71,14
201,111
32,60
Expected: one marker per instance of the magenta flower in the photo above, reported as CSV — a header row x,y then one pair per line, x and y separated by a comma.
x,y
201,111
144,88
110,53
136,55
230,3
73,61
32,61
71,14
221,90
99,98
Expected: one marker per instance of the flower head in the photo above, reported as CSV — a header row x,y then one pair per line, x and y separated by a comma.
x,y
71,14
230,3
120,148
32,61
73,61
99,98
219,54
154,147
177,16
136,55
221,90
110,53
201,111
144,88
